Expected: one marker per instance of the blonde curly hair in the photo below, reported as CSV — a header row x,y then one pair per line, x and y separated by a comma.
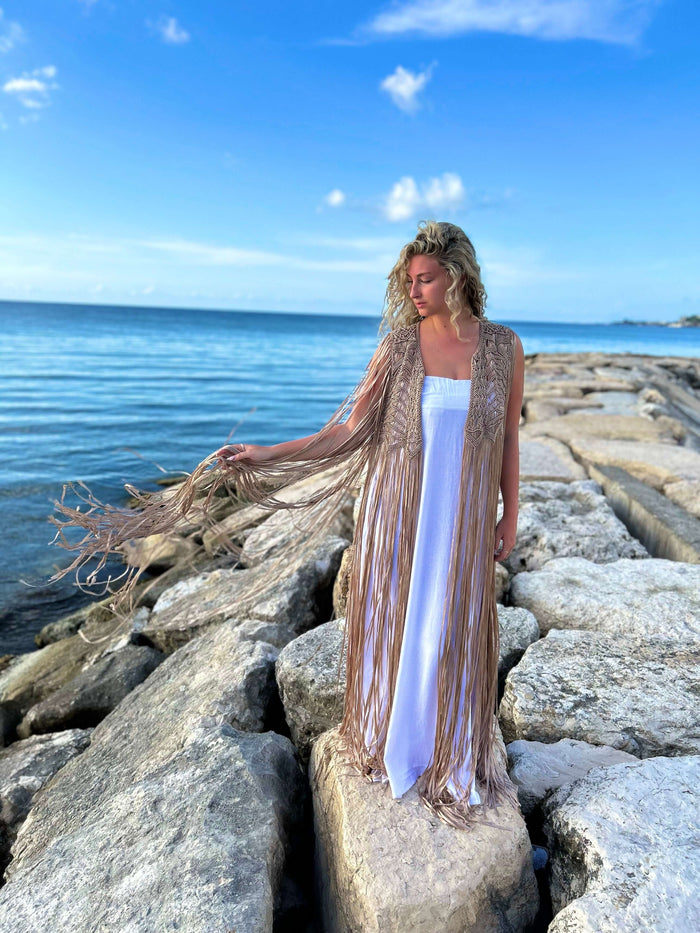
x,y
455,252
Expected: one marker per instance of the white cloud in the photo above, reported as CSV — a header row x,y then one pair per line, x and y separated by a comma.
x,y
335,198
32,88
618,21
10,33
403,87
406,199
170,30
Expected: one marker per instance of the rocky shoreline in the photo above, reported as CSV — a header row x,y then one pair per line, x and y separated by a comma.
x,y
163,773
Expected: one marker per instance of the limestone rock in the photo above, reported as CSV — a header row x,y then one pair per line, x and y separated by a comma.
x,y
25,767
539,768
574,425
548,458
625,849
632,693
517,628
222,676
196,841
568,520
640,597
311,682
31,677
157,552
653,463
391,866
87,698
279,532
297,598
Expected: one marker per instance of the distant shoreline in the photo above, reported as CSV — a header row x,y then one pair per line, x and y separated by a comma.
x,y
692,320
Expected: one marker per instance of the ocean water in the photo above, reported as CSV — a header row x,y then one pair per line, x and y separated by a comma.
x,y
106,394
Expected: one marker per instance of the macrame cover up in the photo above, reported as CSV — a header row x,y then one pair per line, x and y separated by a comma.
x,y
385,443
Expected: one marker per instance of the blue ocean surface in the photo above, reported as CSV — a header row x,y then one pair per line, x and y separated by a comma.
x,y
103,394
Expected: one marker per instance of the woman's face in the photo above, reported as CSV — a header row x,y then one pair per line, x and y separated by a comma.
x,y
428,282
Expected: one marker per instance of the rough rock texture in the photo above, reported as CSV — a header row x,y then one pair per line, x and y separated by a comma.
x,y
625,849
636,694
157,552
638,597
539,768
237,526
390,865
25,767
30,678
309,683
517,628
297,600
222,675
573,425
547,458
655,464
568,520
196,841
665,528
280,531
87,698
312,689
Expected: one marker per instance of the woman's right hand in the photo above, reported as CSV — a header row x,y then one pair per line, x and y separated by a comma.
x,y
251,453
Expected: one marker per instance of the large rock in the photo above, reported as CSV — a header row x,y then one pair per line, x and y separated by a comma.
x,y
279,532
574,425
311,673
195,841
223,675
549,459
653,463
239,525
311,679
538,768
625,849
158,552
298,597
637,597
25,767
632,693
87,698
30,678
390,865
568,520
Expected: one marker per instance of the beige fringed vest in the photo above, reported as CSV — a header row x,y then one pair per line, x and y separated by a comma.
x,y
383,449
468,660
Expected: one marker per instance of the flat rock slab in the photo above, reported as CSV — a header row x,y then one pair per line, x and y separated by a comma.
x,y
652,463
197,842
292,598
633,597
25,767
613,427
632,693
568,520
311,674
391,866
222,675
548,458
625,849
537,768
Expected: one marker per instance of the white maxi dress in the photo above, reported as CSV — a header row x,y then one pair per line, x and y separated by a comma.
x,y
411,731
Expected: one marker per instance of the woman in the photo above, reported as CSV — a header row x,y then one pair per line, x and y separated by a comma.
x,y
430,434
424,638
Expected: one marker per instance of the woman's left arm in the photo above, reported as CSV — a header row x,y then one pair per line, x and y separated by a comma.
x,y
510,469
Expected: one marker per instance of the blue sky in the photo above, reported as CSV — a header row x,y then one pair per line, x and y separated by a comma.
x,y
277,156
